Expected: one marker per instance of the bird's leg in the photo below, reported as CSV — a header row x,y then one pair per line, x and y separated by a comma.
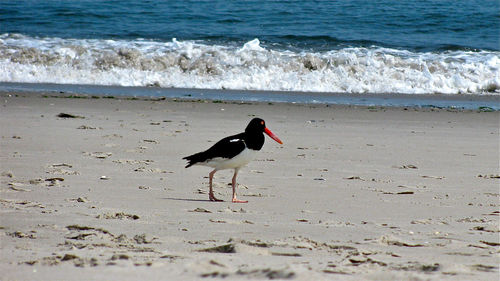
x,y
211,192
236,200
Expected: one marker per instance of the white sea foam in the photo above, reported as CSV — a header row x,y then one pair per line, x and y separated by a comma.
x,y
191,64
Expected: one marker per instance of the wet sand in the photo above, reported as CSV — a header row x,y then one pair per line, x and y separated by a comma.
x,y
354,193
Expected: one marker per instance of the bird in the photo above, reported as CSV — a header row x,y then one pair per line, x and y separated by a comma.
x,y
233,152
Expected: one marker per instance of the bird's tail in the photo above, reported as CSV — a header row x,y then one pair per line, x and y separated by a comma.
x,y
195,158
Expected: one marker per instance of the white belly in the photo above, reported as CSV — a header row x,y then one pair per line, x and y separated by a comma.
x,y
237,161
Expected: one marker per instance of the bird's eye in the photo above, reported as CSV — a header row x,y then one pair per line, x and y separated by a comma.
x,y
262,122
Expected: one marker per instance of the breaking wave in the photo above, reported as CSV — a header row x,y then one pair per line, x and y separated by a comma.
x,y
251,66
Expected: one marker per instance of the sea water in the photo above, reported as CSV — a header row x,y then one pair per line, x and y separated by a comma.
x,y
349,47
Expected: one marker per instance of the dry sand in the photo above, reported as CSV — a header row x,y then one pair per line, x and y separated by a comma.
x,y
354,193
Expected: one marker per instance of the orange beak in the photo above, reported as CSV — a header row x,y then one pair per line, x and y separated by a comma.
x,y
273,136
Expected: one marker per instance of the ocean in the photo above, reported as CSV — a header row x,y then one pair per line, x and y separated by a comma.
x,y
373,47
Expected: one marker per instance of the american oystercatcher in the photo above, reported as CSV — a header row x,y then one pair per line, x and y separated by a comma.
x,y
233,152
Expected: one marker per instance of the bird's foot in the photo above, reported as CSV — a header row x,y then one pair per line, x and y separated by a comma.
x,y
236,200
212,198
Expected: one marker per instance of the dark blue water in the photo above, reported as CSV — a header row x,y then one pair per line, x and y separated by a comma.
x,y
429,25
347,47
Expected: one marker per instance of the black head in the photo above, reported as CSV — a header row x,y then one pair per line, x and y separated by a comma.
x,y
258,126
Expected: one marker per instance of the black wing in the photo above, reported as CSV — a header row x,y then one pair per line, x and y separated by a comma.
x,y
225,148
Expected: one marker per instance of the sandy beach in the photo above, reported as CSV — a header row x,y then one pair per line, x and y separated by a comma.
x,y
95,188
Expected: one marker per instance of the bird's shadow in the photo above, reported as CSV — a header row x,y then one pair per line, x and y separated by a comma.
x,y
189,199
